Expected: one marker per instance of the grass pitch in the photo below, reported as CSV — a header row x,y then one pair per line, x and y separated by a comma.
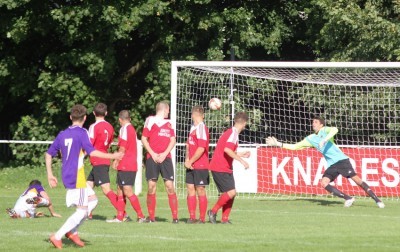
x,y
321,224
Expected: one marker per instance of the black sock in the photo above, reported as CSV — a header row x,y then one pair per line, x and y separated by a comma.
x,y
369,192
336,192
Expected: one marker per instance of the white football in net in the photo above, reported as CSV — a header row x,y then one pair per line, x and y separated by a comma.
x,y
215,104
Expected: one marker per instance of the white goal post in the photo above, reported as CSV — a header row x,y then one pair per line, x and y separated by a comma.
x,y
361,99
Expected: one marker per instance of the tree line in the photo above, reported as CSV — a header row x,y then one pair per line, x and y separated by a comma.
x,y
55,53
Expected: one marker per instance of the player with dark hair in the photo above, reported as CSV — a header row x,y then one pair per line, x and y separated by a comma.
x,y
73,143
338,162
158,138
221,167
127,168
33,197
196,163
101,134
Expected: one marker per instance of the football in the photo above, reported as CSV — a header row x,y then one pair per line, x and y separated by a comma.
x,y
215,104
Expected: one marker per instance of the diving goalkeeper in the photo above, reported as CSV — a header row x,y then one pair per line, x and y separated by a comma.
x,y
338,162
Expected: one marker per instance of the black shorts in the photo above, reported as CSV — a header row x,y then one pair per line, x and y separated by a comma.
x,y
224,181
153,170
99,175
342,167
197,177
126,178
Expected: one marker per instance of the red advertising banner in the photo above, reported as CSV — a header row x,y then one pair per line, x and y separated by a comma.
x,y
282,171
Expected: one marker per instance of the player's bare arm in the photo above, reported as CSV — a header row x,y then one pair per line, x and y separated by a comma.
x,y
115,155
162,156
50,177
189,162
50,207
235,156
146,145
116,161
244,154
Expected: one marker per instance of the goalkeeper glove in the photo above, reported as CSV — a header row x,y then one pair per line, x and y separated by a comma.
x,y
271,141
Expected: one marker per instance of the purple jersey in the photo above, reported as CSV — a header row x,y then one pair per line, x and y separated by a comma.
x,y
72,143
36,189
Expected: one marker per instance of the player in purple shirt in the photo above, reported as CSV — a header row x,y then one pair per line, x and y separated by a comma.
x,y
73,143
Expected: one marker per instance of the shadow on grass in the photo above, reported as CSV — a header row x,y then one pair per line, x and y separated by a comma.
x,y
158,219
99,217
322,202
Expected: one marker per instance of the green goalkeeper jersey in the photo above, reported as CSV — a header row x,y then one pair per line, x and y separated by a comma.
x,y
330,151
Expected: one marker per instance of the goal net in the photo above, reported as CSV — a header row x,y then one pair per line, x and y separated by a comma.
x,y
361,99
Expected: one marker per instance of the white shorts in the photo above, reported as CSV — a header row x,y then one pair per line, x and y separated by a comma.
x,y
21,207
90,191
77,197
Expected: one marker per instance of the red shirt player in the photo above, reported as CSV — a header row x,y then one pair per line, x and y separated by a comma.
x,y
221,167
127,168
158,138
197,164
101,134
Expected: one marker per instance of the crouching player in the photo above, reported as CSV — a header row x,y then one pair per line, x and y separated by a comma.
x,y
73,142
33,197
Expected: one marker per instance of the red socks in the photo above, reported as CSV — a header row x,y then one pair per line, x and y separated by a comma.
x,y
191,203
173,204
223,199
113,198
120,207
136,205
226,210
203,207
151,206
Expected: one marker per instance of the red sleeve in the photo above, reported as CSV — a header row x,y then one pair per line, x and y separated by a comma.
x,y
146,131
230,145
122,142
202,143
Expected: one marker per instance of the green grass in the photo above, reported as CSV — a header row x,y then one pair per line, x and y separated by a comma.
x,y
259,225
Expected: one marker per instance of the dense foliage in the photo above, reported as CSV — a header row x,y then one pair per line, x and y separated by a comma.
x,y
57,53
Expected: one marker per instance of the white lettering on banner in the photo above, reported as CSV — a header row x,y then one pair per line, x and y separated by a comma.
x,y
298,168
279,169
365,171
386,169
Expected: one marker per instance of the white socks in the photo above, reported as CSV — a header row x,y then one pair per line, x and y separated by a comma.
x,y
92,204
72,223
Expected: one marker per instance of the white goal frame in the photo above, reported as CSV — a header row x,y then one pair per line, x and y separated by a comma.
x,y
175,65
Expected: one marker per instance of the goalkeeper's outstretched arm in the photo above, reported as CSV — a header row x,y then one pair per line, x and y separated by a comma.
x,y
272,141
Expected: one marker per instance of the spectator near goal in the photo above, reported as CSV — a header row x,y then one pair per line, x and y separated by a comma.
x,y
196,163
221,168
158,138
338,162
